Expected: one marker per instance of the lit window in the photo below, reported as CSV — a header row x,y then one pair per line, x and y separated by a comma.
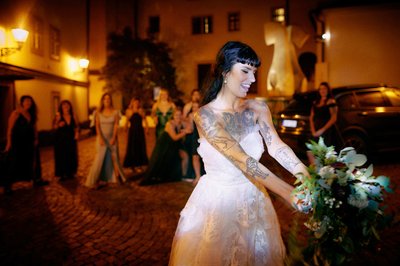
x,y
278,14
234,21
202,25
55,43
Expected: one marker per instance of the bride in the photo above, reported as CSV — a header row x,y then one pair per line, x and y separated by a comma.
x,y
229,218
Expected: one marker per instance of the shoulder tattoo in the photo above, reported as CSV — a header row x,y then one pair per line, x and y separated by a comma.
x,y
266,132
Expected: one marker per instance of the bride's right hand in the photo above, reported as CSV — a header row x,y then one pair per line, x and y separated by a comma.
x,y
301,200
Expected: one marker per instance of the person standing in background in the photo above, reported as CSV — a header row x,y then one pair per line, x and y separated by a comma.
x,y
194,145
22,145
168,156
66,127
323,115
136,155
162,111
189,171
106,166
195,97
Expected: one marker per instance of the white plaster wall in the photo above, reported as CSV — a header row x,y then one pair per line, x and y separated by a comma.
x,y
364,45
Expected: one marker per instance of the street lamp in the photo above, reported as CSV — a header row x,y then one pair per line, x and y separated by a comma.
x,y
83,63
20,36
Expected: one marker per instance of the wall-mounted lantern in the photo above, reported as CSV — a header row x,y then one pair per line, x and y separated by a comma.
x,y
20,36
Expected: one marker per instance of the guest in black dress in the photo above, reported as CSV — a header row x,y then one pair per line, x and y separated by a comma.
x,y
136,156
22,145
166,159
65,147
323,115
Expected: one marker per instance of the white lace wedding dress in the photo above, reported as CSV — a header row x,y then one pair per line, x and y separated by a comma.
x,y
228,220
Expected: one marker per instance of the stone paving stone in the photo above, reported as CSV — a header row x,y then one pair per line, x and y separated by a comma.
x,y
68,224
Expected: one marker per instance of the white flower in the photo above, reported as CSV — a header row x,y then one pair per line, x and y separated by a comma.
x,y
331,155
326,172
358,202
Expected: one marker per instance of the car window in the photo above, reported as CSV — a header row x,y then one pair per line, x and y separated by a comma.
x,y
371,99
346,101
394,97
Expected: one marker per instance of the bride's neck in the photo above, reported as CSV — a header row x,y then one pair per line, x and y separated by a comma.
x,y
225,103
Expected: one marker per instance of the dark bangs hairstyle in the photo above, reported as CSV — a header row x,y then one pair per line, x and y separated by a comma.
x,y
32,110
231,53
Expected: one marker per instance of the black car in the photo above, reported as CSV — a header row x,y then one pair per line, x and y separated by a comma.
x,y
368,118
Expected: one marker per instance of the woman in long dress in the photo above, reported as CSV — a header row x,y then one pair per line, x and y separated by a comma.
x,y
22,145
106,166
136,155
168,156
161,111
66,127
229,218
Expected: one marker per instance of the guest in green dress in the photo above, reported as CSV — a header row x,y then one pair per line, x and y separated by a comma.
x,y
162,111
166,160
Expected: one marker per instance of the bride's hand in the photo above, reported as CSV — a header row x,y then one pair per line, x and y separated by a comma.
x,y
301,200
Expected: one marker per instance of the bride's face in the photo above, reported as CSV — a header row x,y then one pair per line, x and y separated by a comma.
x,y
240,78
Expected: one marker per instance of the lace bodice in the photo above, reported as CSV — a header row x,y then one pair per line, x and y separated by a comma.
x,y
218,167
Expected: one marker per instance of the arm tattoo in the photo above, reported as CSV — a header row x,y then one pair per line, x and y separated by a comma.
x,y
208,121
266,133
286,158
223,142
253,170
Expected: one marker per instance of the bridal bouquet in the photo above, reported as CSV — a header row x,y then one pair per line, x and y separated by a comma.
x,y
343,200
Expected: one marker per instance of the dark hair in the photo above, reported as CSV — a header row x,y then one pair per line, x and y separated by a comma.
x,y
231,53
32,110
60,110
326,84
101,101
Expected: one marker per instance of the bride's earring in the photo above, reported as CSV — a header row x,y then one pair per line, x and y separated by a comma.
x,y
225,81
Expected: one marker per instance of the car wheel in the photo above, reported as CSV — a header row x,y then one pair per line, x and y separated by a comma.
x,y
357,142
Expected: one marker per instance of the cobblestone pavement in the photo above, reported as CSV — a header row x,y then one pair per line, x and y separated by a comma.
x,y
66,224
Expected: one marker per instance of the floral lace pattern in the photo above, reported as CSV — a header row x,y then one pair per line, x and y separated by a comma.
x,y
228,220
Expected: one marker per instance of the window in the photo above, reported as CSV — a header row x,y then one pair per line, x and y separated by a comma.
x,y
394,97
55,43
202,25
371,99
37,36
278,14
55,103
234,21
346,101
154,24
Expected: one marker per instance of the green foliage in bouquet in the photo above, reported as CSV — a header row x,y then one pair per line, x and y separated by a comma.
x,y
345,200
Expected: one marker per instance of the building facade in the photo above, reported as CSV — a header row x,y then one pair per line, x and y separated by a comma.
x,y
47,66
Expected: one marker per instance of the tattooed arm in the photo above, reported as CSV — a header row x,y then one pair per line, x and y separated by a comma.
x,y
210,128
276,147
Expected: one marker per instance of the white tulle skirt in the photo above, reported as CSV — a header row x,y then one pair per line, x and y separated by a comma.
x,y
228,223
